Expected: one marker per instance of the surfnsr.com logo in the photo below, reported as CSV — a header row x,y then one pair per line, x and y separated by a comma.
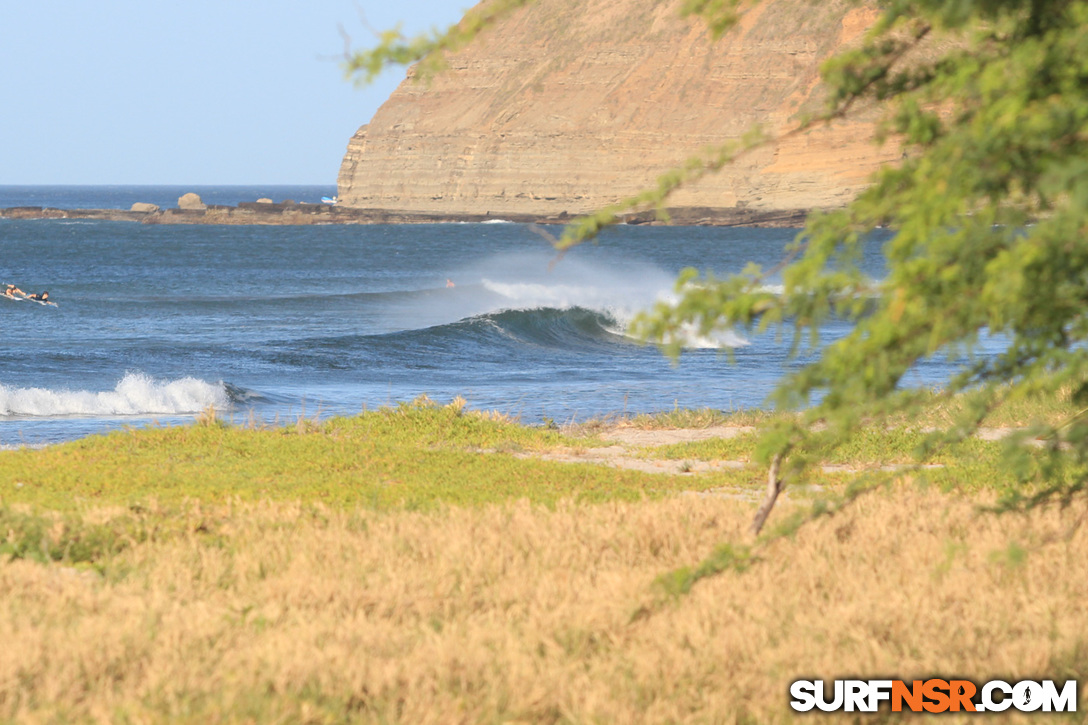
x,y
934,695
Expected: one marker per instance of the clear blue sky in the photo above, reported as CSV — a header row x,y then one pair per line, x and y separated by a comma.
x,y
199,92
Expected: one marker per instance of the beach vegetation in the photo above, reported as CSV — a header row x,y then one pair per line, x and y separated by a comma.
x,y
415,455
424,456
421,560
297,611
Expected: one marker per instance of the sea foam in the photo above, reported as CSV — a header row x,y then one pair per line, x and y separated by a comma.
x,y
135,394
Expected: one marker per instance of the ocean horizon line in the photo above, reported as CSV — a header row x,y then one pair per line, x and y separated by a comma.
x,y
123,196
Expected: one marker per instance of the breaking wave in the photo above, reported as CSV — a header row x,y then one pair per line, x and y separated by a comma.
x,y
136,394
573,326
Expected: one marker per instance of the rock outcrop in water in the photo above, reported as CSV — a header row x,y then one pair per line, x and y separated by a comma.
x,y
191,202
569,105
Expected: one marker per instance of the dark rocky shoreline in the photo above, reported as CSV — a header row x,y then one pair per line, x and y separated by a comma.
x,y
288,213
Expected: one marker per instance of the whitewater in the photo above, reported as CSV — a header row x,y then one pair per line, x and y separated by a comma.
x,y
136,394
156,324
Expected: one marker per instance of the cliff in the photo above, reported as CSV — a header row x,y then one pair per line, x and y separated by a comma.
x,y
568,105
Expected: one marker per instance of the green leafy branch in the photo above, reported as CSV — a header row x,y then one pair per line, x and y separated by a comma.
x,y
429,50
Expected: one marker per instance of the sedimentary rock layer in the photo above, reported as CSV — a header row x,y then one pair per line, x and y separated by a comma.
x,y
569,105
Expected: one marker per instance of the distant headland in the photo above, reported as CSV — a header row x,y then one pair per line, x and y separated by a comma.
x,y
192,210
575,105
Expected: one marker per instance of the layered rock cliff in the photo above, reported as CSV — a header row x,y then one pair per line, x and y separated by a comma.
x,y
569,105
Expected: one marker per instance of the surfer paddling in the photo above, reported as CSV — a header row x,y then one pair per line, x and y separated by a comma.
x,y
14,293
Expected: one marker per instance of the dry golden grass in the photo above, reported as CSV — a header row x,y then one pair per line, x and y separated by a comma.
x,y
503,613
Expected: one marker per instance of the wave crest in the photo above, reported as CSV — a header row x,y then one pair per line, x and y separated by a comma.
x,y
135,394
615,308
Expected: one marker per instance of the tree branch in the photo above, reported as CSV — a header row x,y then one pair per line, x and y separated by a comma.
x,y
774,487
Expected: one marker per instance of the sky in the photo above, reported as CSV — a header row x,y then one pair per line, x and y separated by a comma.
x,y
195,92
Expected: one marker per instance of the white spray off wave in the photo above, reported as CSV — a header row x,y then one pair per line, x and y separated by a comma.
x,y
135,394
620,296
532,280
621,308
691,337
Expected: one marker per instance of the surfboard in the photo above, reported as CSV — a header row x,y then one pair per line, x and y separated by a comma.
x,y
30,299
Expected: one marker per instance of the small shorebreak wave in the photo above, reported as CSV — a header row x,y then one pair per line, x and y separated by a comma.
x,y
136,394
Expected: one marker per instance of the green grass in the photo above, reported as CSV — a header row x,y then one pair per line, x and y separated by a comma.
x,y
679,418
47,537
972,464
739,448
413,457
865,446
1016,411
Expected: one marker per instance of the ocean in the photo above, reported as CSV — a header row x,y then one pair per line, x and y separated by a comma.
x,y
156,323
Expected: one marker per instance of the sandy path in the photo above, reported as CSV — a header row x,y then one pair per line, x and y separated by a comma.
x,y
625,453
629,442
